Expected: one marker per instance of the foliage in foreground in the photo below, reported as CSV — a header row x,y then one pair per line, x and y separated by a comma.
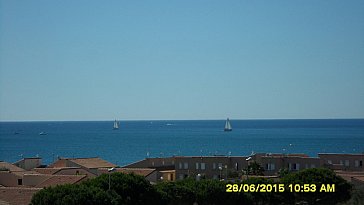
x,y
319,176
125,189
132,189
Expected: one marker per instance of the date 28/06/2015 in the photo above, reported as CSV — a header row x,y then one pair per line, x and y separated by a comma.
x,y
280,188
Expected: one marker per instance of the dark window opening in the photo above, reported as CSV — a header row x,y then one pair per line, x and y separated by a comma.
x,y
20,181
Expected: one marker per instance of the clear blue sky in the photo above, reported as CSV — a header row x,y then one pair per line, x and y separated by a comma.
x,y
96,60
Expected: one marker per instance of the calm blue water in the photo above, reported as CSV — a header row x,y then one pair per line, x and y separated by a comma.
x,y
135,139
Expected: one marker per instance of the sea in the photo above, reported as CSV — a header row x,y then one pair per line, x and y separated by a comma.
x,y
137,140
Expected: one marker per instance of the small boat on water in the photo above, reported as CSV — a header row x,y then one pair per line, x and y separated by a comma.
x,y
228,127
116,125
42,133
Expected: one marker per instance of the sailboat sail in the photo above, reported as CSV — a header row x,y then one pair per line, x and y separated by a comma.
x,y
228,126
116,125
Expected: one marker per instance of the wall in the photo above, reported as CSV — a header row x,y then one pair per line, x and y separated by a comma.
x,y
342,161
29,163
9,179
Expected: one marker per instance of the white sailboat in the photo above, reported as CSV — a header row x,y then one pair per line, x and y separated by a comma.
x,y
228,126
116,125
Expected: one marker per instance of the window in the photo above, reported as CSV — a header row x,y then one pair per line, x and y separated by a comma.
x,y
20,181
220,165
306,166
270,166
295,166
180,165
341,162
214,166
273,166
356,163
329,161
347,163
203,166
313,166
181,176
185,165
215,177
289,166
196,165
361,163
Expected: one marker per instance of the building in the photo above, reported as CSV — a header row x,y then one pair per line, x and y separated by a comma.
x,y
47,180
345,162
273,163
92,164
11,175
65,171
16,195
152,175
19,181
210,167
226,167
29,163
180,167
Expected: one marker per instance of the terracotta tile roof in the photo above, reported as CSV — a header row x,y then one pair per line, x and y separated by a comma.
x,y
360,178
10,167
20,174
347,175
58,170
16,195
60,179
47,170
61,162
138,171
93,162
349,172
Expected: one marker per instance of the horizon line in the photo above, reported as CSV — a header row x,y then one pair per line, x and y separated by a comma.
x,y
181,119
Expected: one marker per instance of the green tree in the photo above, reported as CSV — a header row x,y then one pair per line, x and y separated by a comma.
x,y
319,176
268,198
203,192
254,168
74,195
283,172
133,189
357,197
125,189
178,193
